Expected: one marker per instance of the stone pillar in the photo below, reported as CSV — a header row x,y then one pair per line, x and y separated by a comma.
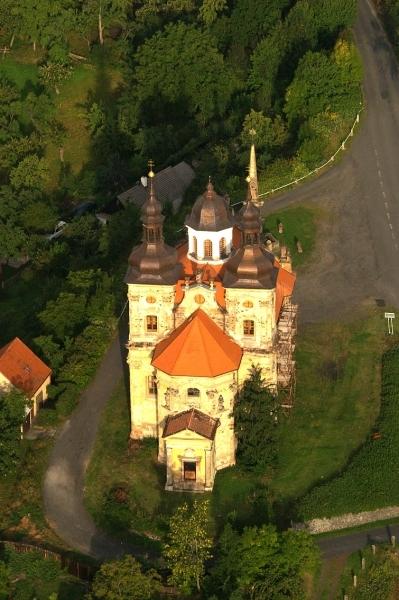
x,y
208,469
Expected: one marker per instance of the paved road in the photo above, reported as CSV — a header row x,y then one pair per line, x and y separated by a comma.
x,y
346,544
357,254
357,251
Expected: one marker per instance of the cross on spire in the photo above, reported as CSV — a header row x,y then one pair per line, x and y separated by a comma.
x,y
150,166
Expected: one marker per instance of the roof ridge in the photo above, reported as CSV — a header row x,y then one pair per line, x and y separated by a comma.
x,y
201,314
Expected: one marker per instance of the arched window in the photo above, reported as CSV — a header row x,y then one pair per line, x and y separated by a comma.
x,y
150,235
208,249
193,392
222,247
251,238
195,246
153,235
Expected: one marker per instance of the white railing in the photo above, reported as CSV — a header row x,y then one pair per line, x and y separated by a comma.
x,y
331,159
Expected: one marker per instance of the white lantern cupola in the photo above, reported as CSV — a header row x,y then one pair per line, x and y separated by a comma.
x,y
210,228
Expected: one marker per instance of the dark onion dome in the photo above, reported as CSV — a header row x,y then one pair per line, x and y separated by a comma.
x,y
251,266
153,261
210,212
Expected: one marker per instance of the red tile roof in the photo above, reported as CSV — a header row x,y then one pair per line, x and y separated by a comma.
x,y
194,420
22,367
197,348
285,282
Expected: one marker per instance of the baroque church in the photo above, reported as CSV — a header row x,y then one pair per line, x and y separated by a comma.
x,y
201,315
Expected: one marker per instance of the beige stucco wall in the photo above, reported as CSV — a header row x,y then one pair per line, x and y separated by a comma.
x,y
187,445
259,349
143,406
43,390
216,399
199,296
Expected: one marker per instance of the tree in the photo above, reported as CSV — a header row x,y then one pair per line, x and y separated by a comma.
x,y
188,546
256,411
251,21
5,581
53,74
199,76
323,83
210,10
31,173
105,13
265,132
10,109
50,350
64,316
124,580
41,21
12,414
261,563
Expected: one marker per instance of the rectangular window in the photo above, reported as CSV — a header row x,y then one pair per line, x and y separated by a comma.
x,y
190,471
151,384
249,327
152,323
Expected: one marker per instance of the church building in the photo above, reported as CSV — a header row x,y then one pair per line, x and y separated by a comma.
x,y
201,315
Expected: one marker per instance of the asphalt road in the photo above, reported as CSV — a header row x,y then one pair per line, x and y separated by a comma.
x,y
357,255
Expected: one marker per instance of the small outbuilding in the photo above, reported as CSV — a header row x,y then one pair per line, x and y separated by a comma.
x,y
20,368
171,184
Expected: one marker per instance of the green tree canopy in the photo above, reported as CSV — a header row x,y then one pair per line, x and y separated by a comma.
x,y
31,173
182,62
324,82
124,579
189,546
261,563
255,420
12,413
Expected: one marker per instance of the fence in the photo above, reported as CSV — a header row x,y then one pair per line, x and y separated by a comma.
x,y
72,566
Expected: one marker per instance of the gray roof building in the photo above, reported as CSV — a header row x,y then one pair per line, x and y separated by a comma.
x,y
170,185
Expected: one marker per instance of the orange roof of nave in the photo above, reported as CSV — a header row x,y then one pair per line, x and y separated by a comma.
x,y
197,348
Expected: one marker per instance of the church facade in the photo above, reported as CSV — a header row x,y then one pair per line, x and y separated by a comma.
x,y
200,317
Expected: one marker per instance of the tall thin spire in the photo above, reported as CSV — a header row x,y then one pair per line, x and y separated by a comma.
x,y
253,177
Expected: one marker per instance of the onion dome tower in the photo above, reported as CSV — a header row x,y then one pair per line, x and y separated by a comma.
x,y
210,228
252,266
153,262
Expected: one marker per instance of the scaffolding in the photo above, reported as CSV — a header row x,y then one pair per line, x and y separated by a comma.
x,y
286,332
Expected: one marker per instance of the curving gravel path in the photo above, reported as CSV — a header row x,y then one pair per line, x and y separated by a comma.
x,y
63,487
356,259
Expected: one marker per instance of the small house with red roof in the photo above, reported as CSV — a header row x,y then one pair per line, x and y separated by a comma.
x,y
20,368
201,316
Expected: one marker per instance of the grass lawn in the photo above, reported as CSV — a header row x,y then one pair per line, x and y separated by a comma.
x,y
96,79
299,223
337,403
